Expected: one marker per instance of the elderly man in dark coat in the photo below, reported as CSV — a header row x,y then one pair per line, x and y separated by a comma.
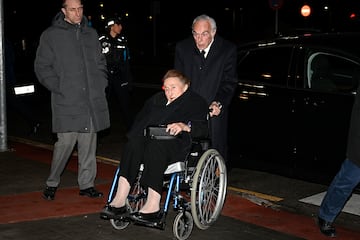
x,y
70,64
210,62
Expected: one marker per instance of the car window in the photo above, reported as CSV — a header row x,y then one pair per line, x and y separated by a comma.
x,y
332,73
269,66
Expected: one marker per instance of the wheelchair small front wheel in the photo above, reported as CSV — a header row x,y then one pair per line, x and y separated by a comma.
x,y
119,224
183,225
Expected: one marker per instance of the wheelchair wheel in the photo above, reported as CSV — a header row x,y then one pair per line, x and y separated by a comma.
x,y
183,225
208,189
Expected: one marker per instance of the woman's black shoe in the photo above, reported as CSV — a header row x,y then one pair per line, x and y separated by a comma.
x,y
146,216
110,212
148,219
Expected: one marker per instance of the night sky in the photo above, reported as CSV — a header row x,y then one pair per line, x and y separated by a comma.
x,y
243,21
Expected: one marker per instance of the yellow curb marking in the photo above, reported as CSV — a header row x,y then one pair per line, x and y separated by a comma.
x,y
257,194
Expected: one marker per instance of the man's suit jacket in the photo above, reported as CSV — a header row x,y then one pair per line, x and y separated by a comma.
x,y
213,78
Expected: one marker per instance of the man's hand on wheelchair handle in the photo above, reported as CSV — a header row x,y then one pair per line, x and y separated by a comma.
x,y
215,109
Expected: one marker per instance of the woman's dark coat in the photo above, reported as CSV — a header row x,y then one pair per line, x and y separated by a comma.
x,y
157,154
188,107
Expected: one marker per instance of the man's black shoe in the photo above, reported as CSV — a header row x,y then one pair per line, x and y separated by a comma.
x,y
326,228
49,193
91,192
110,212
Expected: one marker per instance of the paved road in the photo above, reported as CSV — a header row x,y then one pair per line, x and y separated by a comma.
x,y
25,215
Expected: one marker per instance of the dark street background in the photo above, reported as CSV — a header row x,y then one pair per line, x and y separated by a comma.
x,y
154,26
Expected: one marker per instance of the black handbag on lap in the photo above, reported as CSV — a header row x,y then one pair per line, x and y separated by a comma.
x,y
158,132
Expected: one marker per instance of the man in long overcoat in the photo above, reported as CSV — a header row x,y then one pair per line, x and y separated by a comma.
x,y
210,62
70,64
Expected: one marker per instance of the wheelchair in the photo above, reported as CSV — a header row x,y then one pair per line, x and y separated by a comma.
x,y
196,188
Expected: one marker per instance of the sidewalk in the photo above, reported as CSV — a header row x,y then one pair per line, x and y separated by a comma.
x,y
24,170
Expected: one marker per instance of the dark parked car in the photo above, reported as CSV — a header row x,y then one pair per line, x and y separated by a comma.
x,y
290,114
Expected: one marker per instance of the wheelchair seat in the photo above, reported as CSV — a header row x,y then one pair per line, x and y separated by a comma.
x,y
198,147
172,168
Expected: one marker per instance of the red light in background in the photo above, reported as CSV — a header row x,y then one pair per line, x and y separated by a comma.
x,y
305,11
352,15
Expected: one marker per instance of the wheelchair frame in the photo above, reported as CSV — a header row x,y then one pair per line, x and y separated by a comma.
x,y
207,182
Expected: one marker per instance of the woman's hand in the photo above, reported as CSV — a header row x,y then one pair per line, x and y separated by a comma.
x,y
176,128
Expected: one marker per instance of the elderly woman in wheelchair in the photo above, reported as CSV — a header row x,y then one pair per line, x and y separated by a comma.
x,y
185,115
153,151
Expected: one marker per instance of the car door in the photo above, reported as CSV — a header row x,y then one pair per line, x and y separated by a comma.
x,y
324,100
260,133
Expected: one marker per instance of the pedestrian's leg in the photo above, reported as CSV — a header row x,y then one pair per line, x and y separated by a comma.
x,y
339,191
62,150
87,160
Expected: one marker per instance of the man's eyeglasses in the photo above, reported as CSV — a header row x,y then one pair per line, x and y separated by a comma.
x,y
203,34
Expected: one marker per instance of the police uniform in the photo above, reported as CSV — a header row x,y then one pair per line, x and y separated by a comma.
x,y
117,56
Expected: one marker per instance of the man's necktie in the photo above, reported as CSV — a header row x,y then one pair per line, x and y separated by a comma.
x,y
203,53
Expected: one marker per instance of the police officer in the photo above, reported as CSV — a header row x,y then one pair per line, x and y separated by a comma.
x,y
115,47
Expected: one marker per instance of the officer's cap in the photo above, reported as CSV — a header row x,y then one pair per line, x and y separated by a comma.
x,y
112,21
